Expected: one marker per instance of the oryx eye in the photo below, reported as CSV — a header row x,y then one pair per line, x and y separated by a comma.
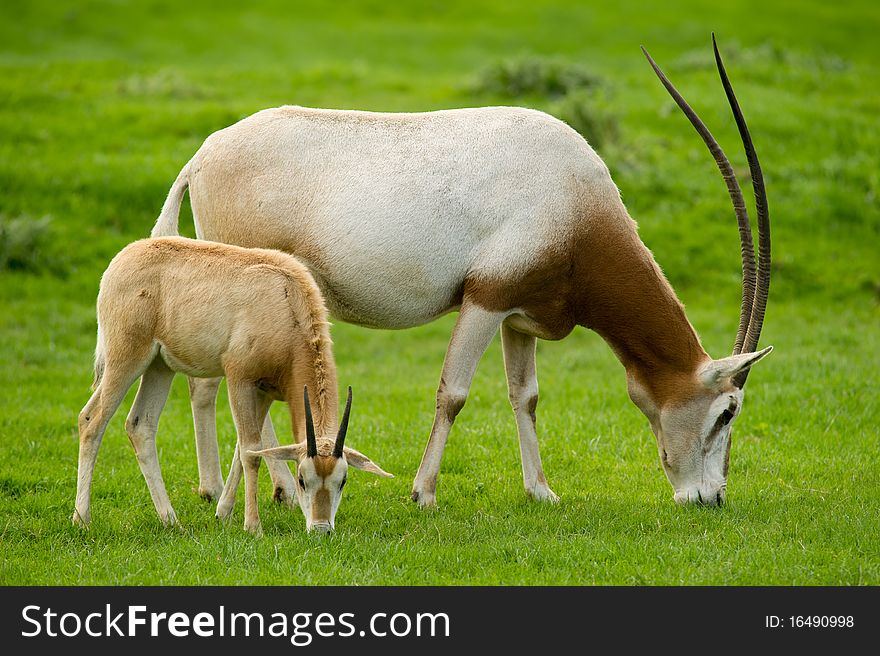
x,y
725,417
342,484
302,483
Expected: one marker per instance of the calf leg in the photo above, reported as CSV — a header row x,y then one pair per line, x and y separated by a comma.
x,y
283,485
282,479
93,419
249,409
141,426
203,398
522,386
472,334
226,503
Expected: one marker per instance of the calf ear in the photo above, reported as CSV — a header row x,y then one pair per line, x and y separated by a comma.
x,y
716,371
358,460
292,452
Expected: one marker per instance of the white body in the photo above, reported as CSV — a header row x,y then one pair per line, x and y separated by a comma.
x,y
392,212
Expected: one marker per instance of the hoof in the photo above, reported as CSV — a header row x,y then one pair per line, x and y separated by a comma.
x,y
82,521
169,520
210,493
424,499
543,494
255,529
224,511
281,495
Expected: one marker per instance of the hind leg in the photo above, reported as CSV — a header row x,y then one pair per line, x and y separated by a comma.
x,y
522,385
141,426
283,485
93,420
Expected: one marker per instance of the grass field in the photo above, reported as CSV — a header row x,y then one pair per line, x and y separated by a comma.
x,y
101,103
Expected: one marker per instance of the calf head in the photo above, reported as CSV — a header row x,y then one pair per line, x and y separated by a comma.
x,y
322,469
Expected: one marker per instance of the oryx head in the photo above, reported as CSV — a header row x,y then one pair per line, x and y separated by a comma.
x,y
693,424
322,469
693,428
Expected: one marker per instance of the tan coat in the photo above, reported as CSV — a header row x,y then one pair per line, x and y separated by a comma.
x,y
254,316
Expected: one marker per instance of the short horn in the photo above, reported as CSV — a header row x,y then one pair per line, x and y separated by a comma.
x,y
311,443
343,427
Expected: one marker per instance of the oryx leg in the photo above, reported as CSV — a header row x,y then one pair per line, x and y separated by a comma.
x,y
249,409
282,479
283,485
472,334
226,503
115,381
203,398
522,387
141,426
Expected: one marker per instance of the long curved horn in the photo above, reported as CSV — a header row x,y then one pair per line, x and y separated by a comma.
x,y
343,427
311,444
747,247
759,304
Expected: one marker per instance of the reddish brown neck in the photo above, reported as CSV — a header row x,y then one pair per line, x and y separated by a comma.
x,y
625,298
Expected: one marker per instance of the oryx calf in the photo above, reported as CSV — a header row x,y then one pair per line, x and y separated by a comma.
x,y
255,316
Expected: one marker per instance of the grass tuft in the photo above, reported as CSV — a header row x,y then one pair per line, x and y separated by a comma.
x,y
27,245
550,77
583,111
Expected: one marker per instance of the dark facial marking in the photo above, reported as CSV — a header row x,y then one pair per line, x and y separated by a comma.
x,y
727,458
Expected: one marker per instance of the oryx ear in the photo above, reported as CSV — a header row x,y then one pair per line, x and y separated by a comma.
x,y
358,460
716,371
291,452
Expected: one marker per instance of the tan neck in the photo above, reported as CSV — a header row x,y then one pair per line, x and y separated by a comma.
x,y
323,398
315,367
626,299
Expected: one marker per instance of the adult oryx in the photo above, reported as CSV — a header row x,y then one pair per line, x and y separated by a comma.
x,y
507,215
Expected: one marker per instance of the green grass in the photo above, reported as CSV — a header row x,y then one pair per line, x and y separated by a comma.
x,y
102,103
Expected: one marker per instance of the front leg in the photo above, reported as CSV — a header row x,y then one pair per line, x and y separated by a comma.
x,y
203,398
249,408
522,387
226,502
282,480
472,334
